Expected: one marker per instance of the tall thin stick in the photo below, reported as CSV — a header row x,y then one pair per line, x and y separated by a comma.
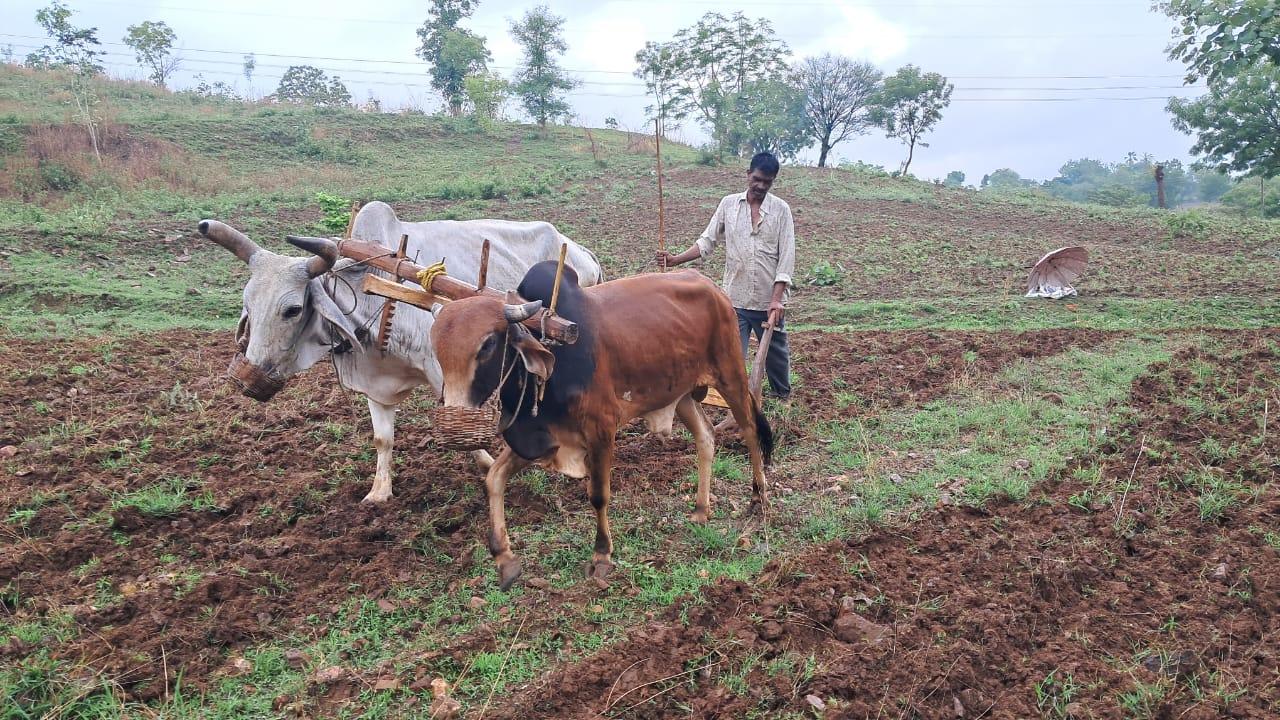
x,y
351,221
484,265
662,229
555,291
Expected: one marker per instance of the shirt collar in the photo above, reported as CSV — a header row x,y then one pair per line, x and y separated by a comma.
x,y
764,206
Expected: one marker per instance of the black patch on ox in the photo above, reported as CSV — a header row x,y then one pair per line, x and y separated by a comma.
x,y
529,436
489,368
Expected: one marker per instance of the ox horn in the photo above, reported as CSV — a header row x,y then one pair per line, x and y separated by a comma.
x,y
522,312
324,249
229,238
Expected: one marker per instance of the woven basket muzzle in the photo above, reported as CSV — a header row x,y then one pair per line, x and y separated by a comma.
x,y
463,428
252,380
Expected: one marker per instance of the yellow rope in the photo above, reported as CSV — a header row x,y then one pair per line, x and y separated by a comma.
x,y
429,274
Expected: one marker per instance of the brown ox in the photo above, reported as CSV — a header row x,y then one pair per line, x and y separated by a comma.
x,y
645,343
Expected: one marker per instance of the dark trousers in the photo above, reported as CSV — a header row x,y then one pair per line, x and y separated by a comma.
x,y
777,366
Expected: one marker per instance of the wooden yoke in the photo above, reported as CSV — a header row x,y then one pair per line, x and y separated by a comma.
x,y
442,287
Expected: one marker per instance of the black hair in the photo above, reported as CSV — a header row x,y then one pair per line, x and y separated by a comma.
x,y
766,163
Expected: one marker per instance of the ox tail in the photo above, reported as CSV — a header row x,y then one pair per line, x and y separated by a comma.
x,y
763,432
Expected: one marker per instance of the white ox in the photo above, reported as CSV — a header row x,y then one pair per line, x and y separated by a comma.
x,y
299,310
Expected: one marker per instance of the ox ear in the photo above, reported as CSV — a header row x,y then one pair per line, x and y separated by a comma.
x,y
328,309
537,358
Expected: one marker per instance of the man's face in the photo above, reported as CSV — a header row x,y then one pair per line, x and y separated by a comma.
x,y
758,185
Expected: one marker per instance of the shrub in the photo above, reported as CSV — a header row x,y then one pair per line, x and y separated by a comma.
x,y
337,211
1187,224
59,177
824,274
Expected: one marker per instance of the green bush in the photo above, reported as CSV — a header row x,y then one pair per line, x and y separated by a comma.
x,y
10,138
1187,224
337,211
56,176
1116,195
824,274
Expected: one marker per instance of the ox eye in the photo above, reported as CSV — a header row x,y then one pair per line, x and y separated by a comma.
x,y
487,347
292,312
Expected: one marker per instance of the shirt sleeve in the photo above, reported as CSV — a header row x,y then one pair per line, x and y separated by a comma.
x,y
786,249
713,234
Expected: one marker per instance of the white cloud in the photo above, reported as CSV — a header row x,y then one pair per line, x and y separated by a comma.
x,y
856,31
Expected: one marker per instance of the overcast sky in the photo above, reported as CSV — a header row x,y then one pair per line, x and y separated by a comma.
x,y
1038,82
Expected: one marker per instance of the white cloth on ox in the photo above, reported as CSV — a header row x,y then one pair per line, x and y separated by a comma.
x,y
1052,292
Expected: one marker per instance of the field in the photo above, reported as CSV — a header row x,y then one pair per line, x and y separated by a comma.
x,y
984,505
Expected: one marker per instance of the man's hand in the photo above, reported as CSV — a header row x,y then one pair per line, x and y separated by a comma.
x,y
664,259
776,311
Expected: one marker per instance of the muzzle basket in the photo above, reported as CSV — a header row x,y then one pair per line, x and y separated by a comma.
x,y
253,381
463,428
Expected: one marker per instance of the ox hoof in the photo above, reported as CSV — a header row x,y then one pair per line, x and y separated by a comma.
x,y
373,497
757,507
699,517
600,569
508,572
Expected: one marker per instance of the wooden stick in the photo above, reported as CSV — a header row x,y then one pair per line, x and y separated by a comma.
x,y
442,286
351,221
662,231
555,290
755,382
484,265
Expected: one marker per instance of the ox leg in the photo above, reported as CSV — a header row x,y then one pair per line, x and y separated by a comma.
x,y
384,435
600,491
482,458
690,412
495,486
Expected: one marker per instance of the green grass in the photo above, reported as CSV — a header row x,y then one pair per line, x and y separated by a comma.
x,y
168,497
1025,314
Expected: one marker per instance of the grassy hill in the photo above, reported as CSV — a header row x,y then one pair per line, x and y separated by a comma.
x,y
1049,506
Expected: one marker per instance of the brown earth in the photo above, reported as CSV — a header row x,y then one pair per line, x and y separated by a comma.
x,y
1069,607
277,533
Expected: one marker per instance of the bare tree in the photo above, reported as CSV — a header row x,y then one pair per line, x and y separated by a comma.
x,y
839,93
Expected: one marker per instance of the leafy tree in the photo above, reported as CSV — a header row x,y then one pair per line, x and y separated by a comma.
x,y
152,44
454,53
1219,38
955,179
307,85
8,54
216,90
250,64
487,94
909,105
769,115
75,49
1211,185
838,98
1004,178
658,65
540,81
1237,124
718,56
1077,178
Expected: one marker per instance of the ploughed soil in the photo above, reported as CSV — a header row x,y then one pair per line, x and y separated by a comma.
x,y
270,529
1136,594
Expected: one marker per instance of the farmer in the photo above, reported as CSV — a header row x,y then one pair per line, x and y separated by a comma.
x,y
760,254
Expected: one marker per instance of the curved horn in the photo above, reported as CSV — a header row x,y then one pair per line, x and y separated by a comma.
x,y
229,238
520,313
324,249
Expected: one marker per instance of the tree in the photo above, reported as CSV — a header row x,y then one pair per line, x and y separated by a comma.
x,y
487,95
250,64
955,179
768,115
659,68
1218,38
909,105
152,44
1237,124
838,96
540,81
454,53
1004,178
307,85
718,56
76,50
1211,185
